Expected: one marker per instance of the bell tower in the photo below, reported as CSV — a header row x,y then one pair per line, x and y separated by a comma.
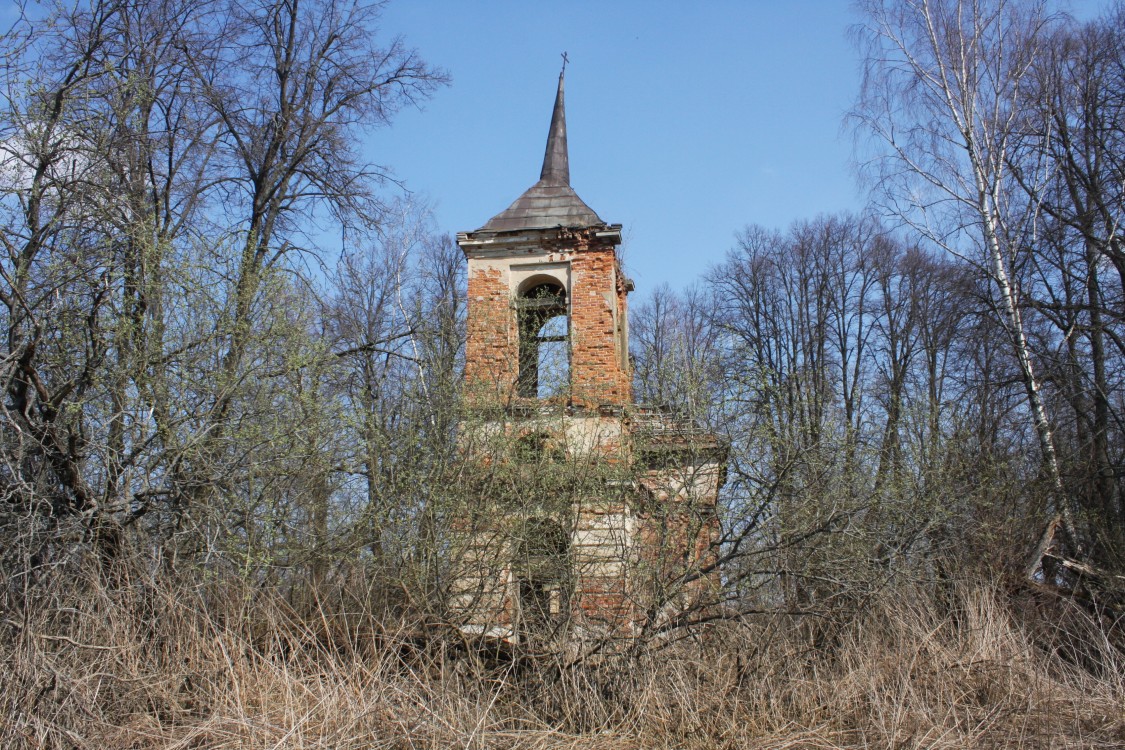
x,y
595,516
547,298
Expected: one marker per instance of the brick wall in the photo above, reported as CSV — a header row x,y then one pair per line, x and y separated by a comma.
x,y
599,365
491,350
597,306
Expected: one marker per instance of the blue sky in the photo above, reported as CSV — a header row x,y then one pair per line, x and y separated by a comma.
x,y
686,120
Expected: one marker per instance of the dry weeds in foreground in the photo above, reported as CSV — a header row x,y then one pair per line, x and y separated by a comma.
x,y
213,667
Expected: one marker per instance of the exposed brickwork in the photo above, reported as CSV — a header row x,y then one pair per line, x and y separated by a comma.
x,y
599,362
597,375
677,534
490,344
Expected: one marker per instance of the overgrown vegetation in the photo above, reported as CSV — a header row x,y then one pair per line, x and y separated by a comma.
x,y
221,665
233,454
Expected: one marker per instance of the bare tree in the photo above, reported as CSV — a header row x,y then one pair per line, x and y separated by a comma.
x,y
675,353
395,317
167,171
1068,163
941,99
291,84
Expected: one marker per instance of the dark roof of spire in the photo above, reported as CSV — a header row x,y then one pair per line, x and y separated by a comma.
x,y
551,202
556,160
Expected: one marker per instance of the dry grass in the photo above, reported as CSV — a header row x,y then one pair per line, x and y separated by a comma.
x,y
212,666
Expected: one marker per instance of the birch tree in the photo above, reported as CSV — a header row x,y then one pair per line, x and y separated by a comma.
x,y
940,100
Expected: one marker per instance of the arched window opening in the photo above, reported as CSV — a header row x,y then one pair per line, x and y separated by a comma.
x,y
542,568
536,447
544,342
532,448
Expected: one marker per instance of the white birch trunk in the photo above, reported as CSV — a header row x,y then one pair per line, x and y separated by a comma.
x,y
961,63
1013,324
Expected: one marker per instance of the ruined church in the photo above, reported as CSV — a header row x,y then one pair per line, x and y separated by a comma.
x,y
632,546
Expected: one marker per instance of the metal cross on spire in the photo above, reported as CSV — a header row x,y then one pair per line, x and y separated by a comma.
x,y
565,60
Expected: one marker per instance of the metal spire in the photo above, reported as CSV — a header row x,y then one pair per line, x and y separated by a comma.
x,y
551,202
556,163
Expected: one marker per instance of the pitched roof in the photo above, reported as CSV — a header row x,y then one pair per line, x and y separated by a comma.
x,y
551,202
